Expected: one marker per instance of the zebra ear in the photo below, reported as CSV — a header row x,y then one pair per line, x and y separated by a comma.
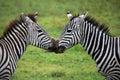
x,y
83,15
22,16
69,15
25,18
36,15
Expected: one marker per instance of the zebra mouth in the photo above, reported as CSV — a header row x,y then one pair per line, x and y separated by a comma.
x,y
55,48
60,49
52,49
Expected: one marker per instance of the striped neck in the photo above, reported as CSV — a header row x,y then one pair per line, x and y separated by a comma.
x,y
16,39
93,40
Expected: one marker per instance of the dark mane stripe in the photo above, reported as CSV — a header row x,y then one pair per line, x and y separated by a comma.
x,y
11,25
89,19
101,27
15,22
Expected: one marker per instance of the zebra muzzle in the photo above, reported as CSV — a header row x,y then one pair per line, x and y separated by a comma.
x,y
53,48
60,49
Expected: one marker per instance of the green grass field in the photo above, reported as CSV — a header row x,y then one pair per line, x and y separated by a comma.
x,y
75,63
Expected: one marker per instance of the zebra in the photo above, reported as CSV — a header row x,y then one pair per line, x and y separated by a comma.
x,y
96,40
17,36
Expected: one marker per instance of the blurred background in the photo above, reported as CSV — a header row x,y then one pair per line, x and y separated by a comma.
x,y
74,64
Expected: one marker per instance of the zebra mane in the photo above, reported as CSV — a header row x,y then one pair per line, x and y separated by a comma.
x,y
89,19
101,27
15,22
12,24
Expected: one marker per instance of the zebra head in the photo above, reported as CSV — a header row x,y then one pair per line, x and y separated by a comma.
x,y
37,36
71,34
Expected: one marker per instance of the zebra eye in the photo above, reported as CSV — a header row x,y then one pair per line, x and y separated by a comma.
x,y
39,30
69,30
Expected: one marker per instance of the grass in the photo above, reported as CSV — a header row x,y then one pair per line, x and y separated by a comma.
x,y
75,63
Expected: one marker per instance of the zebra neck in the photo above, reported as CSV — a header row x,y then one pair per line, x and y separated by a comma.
x,y
16,43
94,41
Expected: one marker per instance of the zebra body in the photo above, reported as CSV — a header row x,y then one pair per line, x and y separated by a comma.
x,y
105,50
102,47
16,38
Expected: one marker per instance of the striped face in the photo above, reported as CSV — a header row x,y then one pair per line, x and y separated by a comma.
x,y
71,33
37,36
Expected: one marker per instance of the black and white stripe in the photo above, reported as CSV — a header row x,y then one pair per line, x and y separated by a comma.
x,y
19,34
96,40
